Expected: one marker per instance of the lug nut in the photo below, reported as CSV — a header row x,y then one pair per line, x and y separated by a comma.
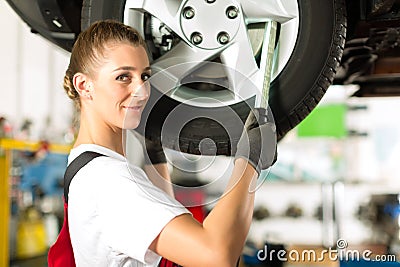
x,y
188,12
223,38
210,1
232,12
196,38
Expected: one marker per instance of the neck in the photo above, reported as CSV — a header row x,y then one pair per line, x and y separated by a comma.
x,y
92,132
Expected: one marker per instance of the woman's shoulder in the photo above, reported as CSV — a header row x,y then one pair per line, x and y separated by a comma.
x,y
106,165
109,160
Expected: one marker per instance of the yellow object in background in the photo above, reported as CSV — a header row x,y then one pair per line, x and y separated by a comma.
x,y
7,146
31,234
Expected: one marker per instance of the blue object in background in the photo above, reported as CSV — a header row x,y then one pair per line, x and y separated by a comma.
x,y
47,174
392,209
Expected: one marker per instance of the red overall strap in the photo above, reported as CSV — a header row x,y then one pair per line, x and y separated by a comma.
x,y
61,253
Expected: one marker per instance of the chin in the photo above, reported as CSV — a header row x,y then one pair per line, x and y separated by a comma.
x,y
130,125
131,121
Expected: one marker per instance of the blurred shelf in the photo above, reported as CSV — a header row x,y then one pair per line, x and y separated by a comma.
x,y
7,146
13,144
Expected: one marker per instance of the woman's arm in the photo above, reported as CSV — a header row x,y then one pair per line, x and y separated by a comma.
x,y
219,240
155,165
160,177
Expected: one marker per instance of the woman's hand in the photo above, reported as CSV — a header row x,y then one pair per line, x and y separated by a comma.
x,y
258,141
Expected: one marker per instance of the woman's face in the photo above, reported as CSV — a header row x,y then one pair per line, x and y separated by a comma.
x,y
120,87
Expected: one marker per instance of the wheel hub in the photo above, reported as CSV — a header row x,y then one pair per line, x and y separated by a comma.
x,y
210,24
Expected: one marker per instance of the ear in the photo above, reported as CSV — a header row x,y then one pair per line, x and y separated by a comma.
x,y
83,85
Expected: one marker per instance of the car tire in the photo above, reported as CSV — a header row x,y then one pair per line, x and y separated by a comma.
x,y
294,93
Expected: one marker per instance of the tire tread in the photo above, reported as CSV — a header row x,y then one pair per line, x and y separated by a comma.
x,y
327,75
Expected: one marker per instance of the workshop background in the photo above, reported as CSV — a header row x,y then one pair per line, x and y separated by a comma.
x,y
330,186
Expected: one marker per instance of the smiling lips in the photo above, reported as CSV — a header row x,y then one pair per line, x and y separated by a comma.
x,y
133,108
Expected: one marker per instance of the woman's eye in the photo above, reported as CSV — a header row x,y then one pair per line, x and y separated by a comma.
x,y
123,77
145,76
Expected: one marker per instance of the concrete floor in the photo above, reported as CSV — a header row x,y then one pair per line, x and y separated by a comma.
x,y
39,261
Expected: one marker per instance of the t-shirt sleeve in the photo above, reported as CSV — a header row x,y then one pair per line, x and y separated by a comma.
x,y
133,213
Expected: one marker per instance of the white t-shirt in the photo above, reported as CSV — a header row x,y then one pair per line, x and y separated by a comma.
x,y
115,212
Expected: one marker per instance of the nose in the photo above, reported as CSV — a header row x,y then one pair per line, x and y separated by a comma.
x,y
141,91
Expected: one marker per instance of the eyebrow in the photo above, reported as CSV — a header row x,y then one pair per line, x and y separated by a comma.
x,y
131,68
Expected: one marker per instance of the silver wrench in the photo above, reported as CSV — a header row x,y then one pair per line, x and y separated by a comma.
x,y
264,82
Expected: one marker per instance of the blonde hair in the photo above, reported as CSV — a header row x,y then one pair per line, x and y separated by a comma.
x,y
89,49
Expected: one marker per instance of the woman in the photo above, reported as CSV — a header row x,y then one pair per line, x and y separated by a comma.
x,y
117,217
